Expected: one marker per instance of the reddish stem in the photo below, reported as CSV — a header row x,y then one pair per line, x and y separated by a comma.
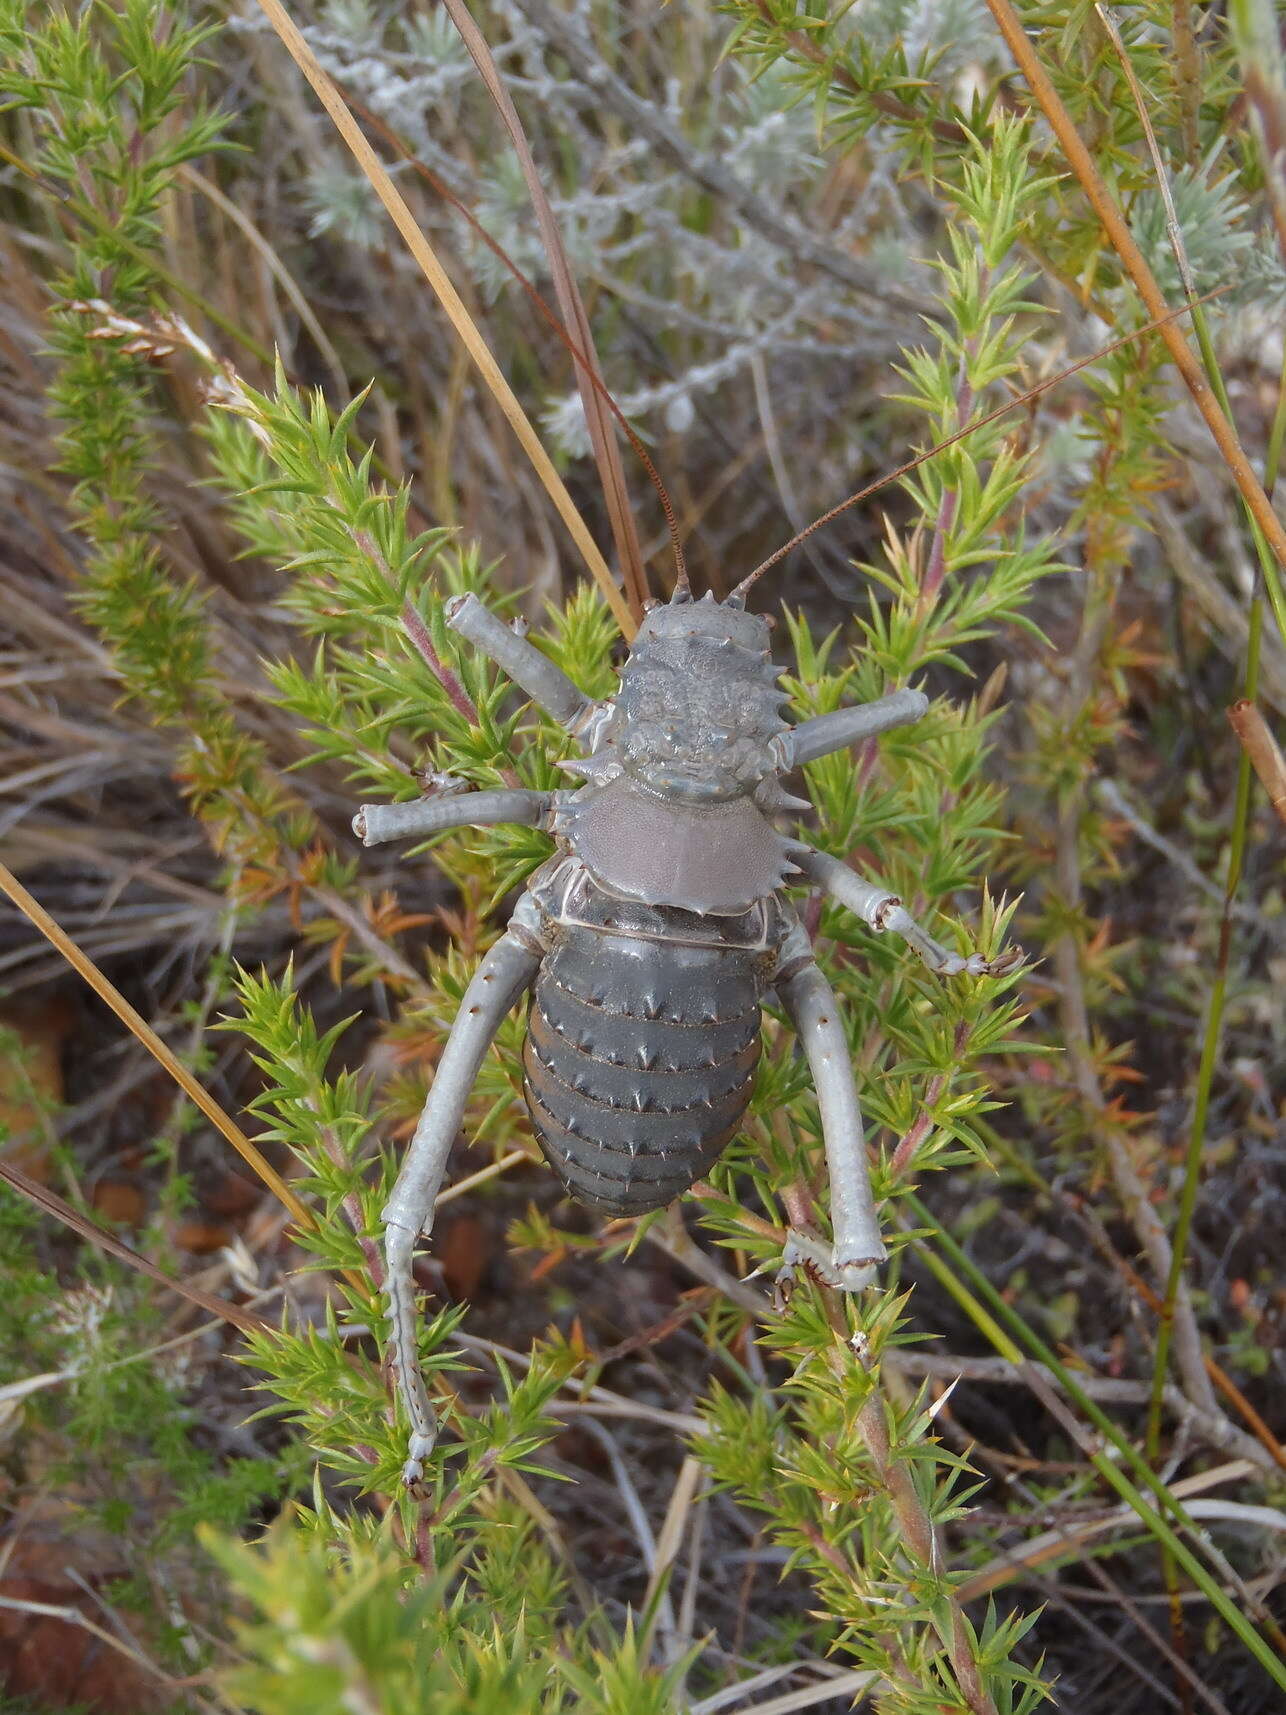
x,y
418,632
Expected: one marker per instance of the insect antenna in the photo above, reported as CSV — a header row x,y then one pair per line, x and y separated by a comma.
x,y
738,596
548,314
573,330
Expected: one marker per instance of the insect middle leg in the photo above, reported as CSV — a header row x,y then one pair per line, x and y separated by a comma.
x,y
882,910
505,974
857,1246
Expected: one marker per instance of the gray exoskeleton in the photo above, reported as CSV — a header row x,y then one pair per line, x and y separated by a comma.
x,y
650,938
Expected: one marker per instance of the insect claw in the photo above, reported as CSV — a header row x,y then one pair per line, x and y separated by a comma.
x,y
852,1276
419,1448
1005,962
978,965
821,1263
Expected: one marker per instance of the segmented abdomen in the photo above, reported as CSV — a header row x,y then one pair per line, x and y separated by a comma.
x,y
639,1062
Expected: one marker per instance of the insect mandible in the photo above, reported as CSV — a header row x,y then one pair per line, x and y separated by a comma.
x,y
649,940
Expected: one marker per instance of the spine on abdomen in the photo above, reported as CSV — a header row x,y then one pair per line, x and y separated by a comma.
x,y
639,1062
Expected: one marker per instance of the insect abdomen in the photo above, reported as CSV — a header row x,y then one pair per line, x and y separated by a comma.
x,y
640,1058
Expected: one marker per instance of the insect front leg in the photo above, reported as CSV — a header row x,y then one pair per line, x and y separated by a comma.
x,y
531,671
505,974
857,1247
881,910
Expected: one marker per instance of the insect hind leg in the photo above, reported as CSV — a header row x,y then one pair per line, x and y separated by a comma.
x,y
505,974
849,1263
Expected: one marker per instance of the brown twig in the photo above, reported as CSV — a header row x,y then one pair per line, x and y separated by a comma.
x,y
52,1204
922,1124
1187,65
1082,1438
1114,224
711,174
1137,1205
944,130
589,371
1263,750
549,316
139,1027
1214,1431
971,428
324,87
1237,1399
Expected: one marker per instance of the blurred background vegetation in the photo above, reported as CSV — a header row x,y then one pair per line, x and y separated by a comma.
x,y
811,239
